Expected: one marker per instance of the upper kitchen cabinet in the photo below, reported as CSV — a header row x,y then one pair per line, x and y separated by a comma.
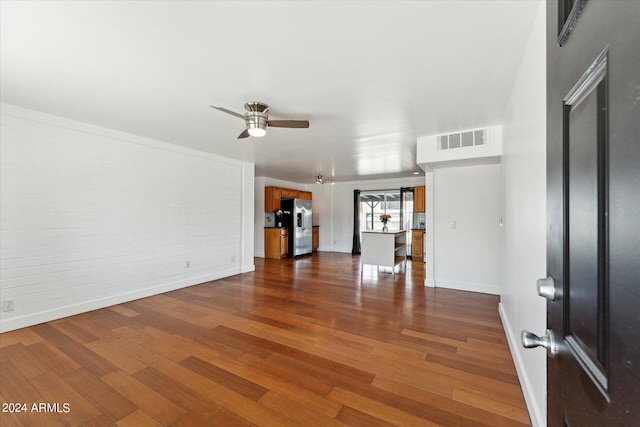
x,y
306,195
290,194
273,195
419,199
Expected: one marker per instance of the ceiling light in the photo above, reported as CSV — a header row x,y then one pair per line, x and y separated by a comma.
x,y
257,132
322,180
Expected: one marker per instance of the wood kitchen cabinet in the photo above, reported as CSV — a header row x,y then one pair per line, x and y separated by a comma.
x,y
315,238
288,193
419,198
276,243
284,242
417,245
273,195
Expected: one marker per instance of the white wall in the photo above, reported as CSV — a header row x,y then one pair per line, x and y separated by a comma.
x,y
463,185
467,257
524,211
92,217
323,211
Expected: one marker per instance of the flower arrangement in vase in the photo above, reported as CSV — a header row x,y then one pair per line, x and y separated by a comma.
x,y
384,218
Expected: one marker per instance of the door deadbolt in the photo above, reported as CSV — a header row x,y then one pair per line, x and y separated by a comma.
x,y
547,288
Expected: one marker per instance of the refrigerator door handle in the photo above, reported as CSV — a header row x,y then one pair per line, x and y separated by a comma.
x,y
302,219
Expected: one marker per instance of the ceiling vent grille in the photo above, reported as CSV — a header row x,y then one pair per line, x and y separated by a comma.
x,y
462,139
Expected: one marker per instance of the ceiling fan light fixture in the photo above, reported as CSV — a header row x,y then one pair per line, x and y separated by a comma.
x,y
256,123
257,131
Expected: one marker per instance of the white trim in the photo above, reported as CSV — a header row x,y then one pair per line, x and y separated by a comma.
x,y
467,286
342,250
537,415
73,309
247,207
430,283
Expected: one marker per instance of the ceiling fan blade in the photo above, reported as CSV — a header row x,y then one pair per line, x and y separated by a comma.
x,y
244,134
224,110
289,123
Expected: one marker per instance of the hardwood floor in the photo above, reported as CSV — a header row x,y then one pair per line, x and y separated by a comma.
x,y
298,342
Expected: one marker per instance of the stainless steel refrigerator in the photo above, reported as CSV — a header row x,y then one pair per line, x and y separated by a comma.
x,y
299,224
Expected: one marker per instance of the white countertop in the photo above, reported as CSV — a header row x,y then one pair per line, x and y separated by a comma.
x,y
385,232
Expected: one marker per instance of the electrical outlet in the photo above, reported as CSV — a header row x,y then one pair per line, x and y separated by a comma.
x,y
9,304
187,264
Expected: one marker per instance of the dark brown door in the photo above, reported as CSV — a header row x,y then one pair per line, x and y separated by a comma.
x,y
593,211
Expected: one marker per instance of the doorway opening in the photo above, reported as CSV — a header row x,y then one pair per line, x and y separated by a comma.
x,y
396,203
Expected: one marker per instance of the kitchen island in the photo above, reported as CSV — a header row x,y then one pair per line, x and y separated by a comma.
x,y
384,248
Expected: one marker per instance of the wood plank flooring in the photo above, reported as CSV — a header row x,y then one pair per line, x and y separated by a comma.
x,y
309,341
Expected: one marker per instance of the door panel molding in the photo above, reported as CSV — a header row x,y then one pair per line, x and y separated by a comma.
x,y
586,328
568,12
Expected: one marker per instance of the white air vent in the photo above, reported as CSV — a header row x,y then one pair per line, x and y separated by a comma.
x,y
462,139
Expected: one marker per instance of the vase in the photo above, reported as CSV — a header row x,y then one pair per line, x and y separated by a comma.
x,y
384,227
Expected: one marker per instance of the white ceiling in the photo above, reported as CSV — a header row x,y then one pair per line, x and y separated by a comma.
x,y
370,76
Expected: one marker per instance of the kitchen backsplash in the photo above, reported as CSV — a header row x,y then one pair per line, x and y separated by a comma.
x,y
419,219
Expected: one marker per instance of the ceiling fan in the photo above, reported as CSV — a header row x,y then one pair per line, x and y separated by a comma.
x,y
322,180
257,119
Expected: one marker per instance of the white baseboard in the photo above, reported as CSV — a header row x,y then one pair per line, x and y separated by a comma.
x,y
31,319
467,286
536,415
430,283
341,250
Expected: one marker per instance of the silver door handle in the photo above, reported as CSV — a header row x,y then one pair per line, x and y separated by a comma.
x,y
548,341
547,288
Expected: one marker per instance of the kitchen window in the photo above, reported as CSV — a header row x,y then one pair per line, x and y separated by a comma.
x,y
376,203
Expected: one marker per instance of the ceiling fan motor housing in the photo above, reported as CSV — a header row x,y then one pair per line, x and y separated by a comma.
x,y
256,106
256,123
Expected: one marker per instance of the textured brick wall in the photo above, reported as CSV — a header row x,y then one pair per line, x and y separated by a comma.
x,y
90,217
